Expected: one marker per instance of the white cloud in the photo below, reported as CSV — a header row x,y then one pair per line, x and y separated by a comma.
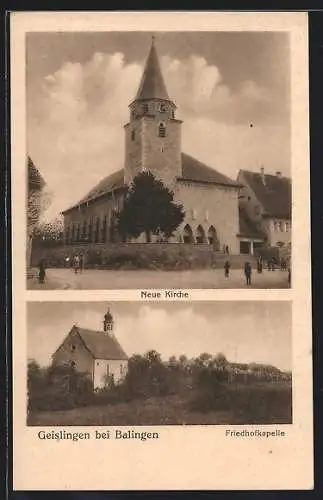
x,y
79,137
181,331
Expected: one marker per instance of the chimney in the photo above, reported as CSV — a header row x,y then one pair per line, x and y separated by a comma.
x,y
279,174
262,174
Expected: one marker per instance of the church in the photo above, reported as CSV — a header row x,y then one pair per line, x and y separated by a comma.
x,y
153,143
96,354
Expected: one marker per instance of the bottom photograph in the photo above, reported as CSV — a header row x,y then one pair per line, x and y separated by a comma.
x,y
134,363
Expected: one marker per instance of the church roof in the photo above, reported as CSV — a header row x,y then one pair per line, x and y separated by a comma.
x,y
101,344
152,85
196,171
275,194
192,170
247,228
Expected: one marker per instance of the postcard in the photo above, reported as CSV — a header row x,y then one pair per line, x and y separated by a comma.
x,y
161,251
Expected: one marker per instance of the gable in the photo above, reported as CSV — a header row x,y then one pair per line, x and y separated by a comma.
x,y
73,349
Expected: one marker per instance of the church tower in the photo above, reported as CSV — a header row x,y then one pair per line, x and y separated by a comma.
x,y
153,134
108,323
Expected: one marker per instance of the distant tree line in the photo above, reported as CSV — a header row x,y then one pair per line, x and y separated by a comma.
x,y
205,378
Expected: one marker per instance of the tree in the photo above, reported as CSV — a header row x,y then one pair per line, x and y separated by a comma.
x,y
50,231
38,201
149,208
221,361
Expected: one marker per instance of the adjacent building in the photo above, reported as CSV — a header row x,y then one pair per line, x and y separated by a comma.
x,y
96,354
265,205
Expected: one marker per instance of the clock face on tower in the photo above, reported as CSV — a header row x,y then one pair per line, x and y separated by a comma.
x,y
162,108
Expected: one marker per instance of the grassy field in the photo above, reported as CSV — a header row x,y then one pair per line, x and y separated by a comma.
x,y
240,404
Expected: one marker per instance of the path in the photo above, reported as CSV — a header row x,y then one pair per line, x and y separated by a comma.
x,y
92,279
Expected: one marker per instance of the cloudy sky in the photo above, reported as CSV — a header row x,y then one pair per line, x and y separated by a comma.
x,y
257,331
79,86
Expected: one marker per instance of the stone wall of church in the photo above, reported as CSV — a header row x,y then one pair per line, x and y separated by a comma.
x,y
207,207
145,150
94,223
133,150
162,155
104,368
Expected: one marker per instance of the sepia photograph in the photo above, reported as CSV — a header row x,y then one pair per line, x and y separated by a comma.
x,y
158,160
130,364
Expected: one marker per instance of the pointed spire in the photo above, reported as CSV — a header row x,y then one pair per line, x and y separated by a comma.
x,y
152,85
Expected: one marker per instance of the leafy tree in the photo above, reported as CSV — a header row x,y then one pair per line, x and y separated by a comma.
x,y
221,361
50,231
149,208
39,199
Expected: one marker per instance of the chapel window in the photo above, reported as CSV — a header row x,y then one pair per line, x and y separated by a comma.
x,y
161,129
145,108
133,135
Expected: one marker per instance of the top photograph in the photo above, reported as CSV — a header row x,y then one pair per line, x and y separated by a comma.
x,y
158,160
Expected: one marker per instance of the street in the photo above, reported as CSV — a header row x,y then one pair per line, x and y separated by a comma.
x,y
91,279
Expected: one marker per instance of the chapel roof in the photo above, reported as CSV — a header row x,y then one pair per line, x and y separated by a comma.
x,y
192,170
247,228
273,192
101,344
152,85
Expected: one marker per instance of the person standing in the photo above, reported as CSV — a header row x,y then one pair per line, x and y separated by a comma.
x,y
42,272
226,269
81,262
76,263
248,272
259,265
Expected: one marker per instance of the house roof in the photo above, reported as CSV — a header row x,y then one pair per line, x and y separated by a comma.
x,y
275,194
192,170
152,85
101,345
248,228
35,179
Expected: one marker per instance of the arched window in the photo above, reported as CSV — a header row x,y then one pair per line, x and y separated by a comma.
x,y
161,129
104,230
67,235
213,238
97,230
200,234
84,231
188,234
133,134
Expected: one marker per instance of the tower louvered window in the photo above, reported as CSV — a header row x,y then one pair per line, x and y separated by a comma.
x,y
161,130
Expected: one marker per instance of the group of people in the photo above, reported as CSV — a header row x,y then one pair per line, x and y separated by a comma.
x,y
76,263
271,264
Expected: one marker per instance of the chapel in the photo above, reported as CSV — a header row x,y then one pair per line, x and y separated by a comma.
x,y
94,353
